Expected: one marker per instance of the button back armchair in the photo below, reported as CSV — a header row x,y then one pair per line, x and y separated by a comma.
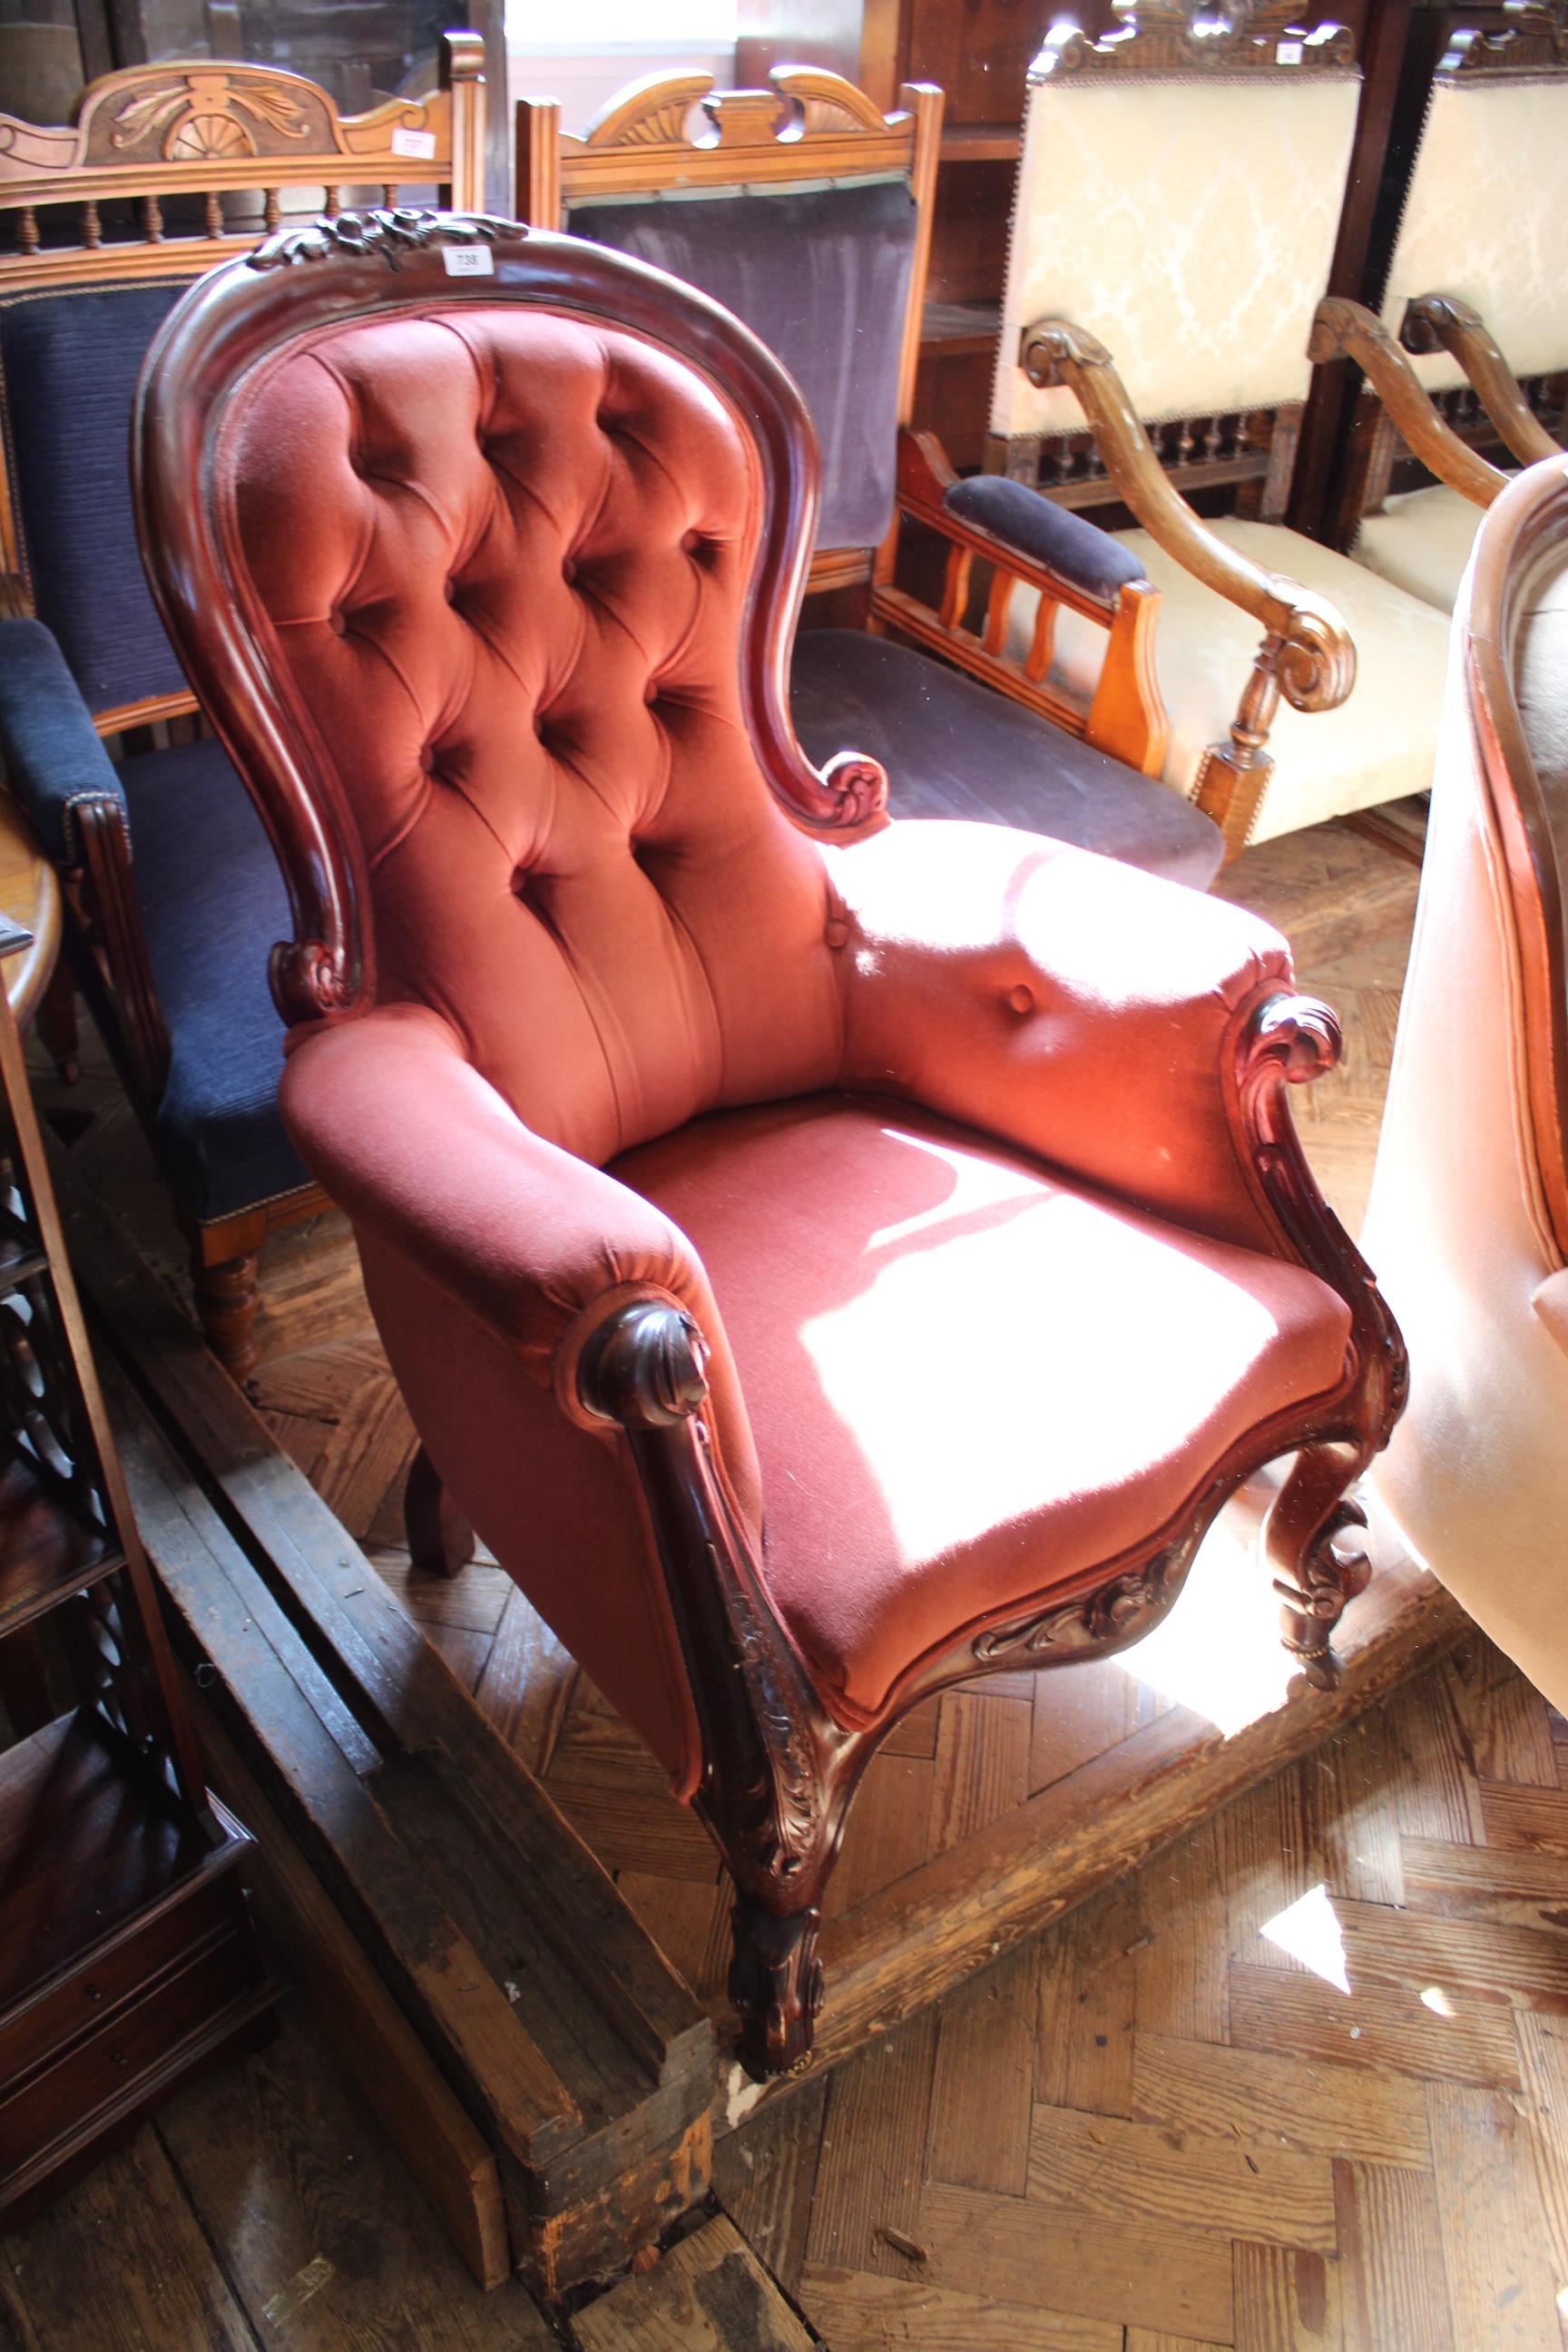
x,y
826,1258
807,212
172,893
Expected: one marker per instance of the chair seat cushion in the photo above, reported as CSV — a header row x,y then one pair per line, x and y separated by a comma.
x,y
1377,746
1421,542
952,748
970,1379
213,903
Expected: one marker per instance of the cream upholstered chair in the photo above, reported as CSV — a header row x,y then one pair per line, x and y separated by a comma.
x,y
1178,197
1475,293
1467,1225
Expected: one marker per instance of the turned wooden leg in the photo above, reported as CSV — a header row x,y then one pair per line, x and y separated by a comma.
x,y
1311,1542
440,1540
1233,777
775,1984
55,1024
226,1301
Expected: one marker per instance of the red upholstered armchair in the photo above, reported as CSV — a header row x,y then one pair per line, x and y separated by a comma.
x,y
825,1259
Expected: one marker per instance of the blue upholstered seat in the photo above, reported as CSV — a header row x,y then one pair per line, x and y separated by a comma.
x,y
213,903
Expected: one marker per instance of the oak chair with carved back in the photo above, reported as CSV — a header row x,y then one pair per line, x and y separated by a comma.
x,y
806,211
172,893
825,1256
1474,295
1179,191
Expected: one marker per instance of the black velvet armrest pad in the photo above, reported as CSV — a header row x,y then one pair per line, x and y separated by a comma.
x,y
52,754
1074,550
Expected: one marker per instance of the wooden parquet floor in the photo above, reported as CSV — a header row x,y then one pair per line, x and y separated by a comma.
x,y
1300,2084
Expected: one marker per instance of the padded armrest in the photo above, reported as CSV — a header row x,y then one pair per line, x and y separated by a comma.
x,y
53,757
421,1151
1048,534
1064,1003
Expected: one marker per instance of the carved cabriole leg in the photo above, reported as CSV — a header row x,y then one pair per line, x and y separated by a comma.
x,y
1290,1040
777,1771
1233,777
1316,1571
440,1540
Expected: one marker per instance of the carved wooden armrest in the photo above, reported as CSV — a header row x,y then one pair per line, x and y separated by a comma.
x,y
1442,321
1343,329
1306,654
1126,716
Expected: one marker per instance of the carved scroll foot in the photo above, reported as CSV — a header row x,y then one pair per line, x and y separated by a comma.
x,y
440,1540
775,1984
1320,1563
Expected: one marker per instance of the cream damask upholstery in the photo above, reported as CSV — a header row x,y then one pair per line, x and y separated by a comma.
x,y
1187,223
1376,747
1486,218
1421,542
1467,1225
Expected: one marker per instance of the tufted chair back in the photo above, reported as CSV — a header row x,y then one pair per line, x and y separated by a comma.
x,y
495,559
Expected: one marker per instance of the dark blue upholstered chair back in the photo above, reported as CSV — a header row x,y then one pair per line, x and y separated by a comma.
x,y
69,358
822,275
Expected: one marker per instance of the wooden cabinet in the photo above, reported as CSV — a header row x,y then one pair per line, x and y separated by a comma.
x,y
126,1953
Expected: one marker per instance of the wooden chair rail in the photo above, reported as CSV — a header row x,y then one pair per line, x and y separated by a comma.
x,y
1126,719
1442,321
1344,330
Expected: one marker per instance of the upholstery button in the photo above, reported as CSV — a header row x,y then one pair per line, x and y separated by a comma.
x,y
651,692
337,621
835,933
692,541
450,592
1021,999
569,569
427,760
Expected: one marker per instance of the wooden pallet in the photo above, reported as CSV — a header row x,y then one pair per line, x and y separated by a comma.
x,y
553,2095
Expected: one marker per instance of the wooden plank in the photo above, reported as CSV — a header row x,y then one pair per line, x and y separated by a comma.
x,y
301,1549
1125,2172
765,2180
1351,1818
1513,1885
1437,1795
1292,2103
1502,2293
1075,1717
1286,2301
1379,2026
1525,1817
1183,1980
526,1686
1526,1966
1504,1718
1089,1979
873,2147
885,1836
1543,2060
1015,2250
1391,2246
279,2168
981,2102
982,1764
708,2293
80,2294
451,2163
1269,1862
862,2312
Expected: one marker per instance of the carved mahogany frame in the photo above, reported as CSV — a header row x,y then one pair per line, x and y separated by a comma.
x,y
778,1767
207,129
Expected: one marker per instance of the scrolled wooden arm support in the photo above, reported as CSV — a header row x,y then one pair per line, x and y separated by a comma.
x,y
777,1772
1344,330
1306,654
1434,322
1289,1041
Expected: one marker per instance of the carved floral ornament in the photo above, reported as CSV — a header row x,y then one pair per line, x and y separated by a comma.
x,y
1534,40
400,230
199,114
1162,36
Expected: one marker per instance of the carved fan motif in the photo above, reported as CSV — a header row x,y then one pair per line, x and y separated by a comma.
x,y
198,112
201,135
